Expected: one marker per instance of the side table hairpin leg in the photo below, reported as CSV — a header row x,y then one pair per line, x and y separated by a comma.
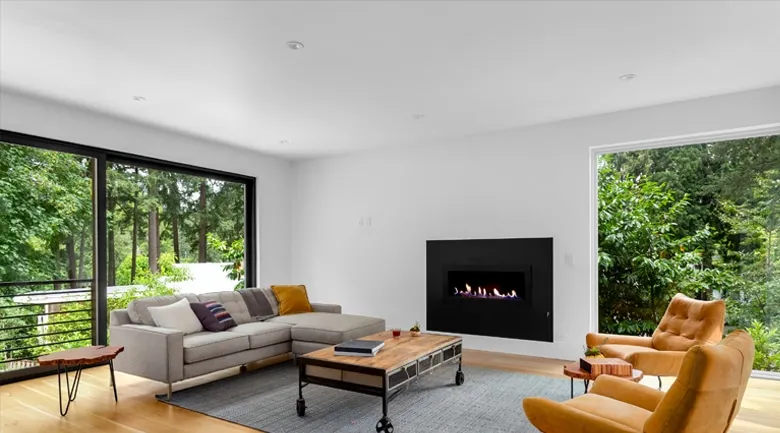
x,y
113,381
71,391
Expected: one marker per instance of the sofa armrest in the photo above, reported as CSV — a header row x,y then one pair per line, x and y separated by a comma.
x,y
326,308
150,352
628,392
553,417
120,317
593,339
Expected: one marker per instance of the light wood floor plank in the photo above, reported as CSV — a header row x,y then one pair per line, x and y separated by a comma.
x,y
31,406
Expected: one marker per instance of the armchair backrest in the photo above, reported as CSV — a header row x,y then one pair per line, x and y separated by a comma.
x,y
708,391
688,322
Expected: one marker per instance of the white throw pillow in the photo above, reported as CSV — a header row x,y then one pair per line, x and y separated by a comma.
x,y
178,316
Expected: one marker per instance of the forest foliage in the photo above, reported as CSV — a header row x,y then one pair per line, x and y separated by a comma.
x,y
702,220
155,220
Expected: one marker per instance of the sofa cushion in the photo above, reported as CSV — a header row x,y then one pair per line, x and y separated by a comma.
x,y
261,303
207,345
233,303
329,328
138,309
213,316
177,316
292,299
263,334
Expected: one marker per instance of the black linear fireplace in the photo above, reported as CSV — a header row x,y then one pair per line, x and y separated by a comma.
x,y
492,287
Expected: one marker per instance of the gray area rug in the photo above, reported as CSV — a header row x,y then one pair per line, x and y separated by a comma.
x,y
264,399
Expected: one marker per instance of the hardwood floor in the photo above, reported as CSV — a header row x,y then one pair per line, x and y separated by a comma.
x,y
31,406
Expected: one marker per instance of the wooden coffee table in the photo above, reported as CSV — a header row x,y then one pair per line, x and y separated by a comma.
x,y
575,372
80,357
386,374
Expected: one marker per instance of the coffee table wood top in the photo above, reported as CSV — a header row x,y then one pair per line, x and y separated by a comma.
x,y
82,355
396,353
574,371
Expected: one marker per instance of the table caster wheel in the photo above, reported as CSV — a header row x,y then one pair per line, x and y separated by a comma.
x,y
459,378
384,426
300,407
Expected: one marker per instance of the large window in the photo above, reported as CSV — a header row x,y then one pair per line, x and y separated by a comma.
x,y
84,231
172,232
46,253
703,220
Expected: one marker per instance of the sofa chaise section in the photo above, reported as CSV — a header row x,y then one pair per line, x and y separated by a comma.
x,y
313,331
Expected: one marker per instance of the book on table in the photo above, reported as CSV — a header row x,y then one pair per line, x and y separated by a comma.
x,y
358,348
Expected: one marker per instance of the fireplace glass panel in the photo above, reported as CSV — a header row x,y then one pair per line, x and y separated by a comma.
x,y
500,285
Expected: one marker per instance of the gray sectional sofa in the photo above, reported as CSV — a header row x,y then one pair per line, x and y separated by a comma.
x,y
168,356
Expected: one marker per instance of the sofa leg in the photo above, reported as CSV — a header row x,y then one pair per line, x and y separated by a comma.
x,y
170,391
659,383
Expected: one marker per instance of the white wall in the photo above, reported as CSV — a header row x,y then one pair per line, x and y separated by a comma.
x,y
30,115
531,182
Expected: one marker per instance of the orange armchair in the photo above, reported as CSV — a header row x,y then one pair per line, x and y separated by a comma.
x,y
686,323
705,398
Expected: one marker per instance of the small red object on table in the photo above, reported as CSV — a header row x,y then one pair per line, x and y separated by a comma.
x,y
80,357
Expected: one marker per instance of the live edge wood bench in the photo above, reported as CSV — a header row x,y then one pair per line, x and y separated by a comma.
x,y
80,357
386,374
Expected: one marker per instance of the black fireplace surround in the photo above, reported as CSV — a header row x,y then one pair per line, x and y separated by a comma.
x,y
491,287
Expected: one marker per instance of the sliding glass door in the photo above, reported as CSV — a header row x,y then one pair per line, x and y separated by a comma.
x,y
172,232
47,253
85,230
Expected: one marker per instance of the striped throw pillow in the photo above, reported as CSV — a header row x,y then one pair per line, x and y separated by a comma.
x,y
213,316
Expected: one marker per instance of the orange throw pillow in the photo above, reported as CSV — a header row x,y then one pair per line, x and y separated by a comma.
x,y
292,299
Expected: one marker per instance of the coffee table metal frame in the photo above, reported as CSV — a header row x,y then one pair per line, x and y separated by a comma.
x,y
393,382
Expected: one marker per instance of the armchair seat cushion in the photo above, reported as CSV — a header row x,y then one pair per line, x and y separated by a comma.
x,y
207,345
624,351
328,328
262,334
626,414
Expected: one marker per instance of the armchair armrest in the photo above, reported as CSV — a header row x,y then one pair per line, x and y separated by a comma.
x,y
150,352
553,417
593,339
659,363
628,392
326,308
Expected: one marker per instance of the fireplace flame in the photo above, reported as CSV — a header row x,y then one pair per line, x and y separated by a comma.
x,y
484,293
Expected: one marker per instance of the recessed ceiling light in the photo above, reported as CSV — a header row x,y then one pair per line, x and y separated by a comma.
x,y
627,77
284,142
139,98
418,116
294,45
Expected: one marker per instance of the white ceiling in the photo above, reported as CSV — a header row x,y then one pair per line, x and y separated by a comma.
x,y
221,70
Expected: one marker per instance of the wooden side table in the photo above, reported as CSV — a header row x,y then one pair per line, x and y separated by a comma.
x,y
575,372
80,357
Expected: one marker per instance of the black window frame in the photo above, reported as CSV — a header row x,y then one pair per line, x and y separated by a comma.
x,y
102,157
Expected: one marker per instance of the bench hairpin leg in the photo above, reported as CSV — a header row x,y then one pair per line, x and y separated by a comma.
x,y
72,392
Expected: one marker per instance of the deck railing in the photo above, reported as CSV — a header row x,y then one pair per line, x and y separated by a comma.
x,y
41,317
